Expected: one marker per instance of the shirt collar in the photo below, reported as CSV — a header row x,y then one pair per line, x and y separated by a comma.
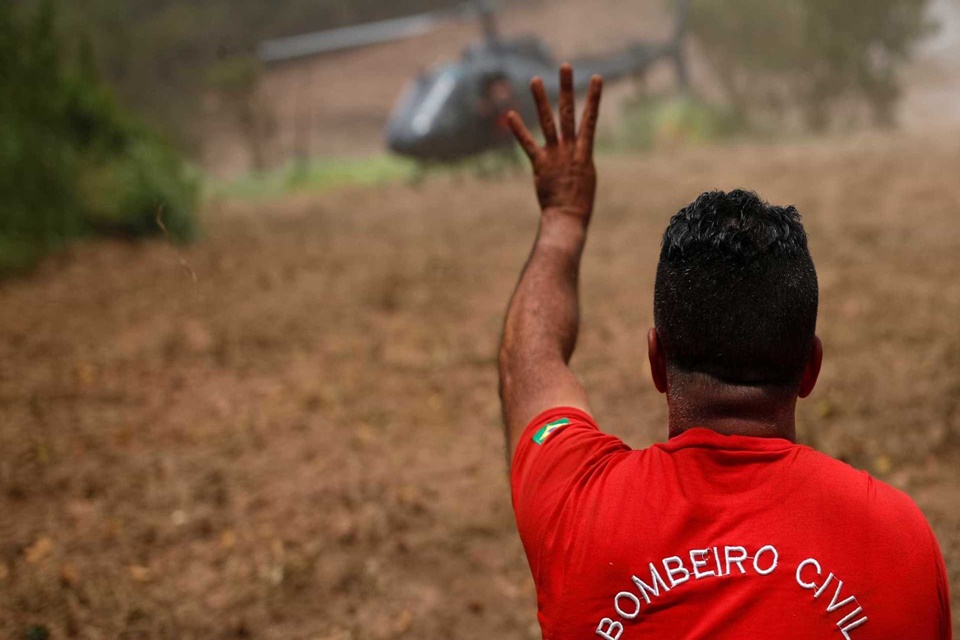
x,y
701,438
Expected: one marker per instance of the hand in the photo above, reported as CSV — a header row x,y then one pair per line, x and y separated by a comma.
x,y
563,171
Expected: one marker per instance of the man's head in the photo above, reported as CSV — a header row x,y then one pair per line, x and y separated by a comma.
x,y
736,296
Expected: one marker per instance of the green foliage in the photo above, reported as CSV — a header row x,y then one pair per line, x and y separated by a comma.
x,y
809,56
656,122
318,175
125,193
71,160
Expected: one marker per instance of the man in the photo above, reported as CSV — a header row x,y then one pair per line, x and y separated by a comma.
x,y
729,529
496,100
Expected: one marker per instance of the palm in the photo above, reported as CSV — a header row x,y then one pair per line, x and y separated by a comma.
x,y
564,175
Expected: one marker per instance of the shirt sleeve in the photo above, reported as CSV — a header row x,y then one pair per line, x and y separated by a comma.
x,y
556,450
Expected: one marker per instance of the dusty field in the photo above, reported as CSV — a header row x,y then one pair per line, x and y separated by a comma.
x,y
305,443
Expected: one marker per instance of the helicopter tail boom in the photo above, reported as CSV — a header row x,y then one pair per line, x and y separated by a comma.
x,y
635,59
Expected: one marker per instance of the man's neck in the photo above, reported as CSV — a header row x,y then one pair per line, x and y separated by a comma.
x,y
733,410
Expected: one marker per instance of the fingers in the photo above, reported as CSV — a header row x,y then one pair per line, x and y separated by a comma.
x,y
544,111
522,135
588,123
568,132
567,114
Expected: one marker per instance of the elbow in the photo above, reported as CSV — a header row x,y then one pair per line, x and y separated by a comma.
x,y
504,359
511,365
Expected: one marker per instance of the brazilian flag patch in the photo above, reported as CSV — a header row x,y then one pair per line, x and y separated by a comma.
x,y
549,429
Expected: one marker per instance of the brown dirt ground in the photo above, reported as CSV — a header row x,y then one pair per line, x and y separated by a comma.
x,y
306,442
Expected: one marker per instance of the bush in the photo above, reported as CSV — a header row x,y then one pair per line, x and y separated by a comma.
x,y
72,162
814,58
657,122
125,193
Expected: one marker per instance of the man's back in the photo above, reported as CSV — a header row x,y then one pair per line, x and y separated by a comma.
x,y
744,535
712,536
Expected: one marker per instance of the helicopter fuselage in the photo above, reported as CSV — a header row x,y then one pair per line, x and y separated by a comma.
x,y
449,112
456,110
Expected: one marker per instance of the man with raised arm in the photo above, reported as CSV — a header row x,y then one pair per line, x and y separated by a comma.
x,y
729,529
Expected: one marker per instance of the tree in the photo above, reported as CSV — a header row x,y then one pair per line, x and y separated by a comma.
x,y
810,55
73,162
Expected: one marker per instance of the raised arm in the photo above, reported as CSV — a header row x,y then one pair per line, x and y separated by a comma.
x,y
540,331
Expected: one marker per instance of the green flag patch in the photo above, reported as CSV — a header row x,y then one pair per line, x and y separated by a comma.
x,y
548,429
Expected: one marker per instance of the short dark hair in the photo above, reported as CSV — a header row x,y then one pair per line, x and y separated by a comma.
x,y
736,291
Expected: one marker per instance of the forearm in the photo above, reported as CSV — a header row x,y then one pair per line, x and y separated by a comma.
x,y
543,317
540,331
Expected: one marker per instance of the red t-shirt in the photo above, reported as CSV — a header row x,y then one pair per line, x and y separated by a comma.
x,y
713,536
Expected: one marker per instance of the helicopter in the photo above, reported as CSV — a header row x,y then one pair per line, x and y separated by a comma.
x,y
456,109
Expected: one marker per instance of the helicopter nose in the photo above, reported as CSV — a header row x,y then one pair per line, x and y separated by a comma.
x,y
403,141
399,143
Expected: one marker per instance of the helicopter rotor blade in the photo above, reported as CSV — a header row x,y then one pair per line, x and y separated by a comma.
x,y
333,40
678,53
487,12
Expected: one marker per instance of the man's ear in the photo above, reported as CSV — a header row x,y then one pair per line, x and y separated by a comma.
x,y
812,371
658,364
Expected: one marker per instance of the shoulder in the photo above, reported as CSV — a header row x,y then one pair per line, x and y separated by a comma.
x,y
562,434
890,531
877,505
556,451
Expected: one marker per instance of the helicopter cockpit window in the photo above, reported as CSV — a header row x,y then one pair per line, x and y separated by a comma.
x,y
495,95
